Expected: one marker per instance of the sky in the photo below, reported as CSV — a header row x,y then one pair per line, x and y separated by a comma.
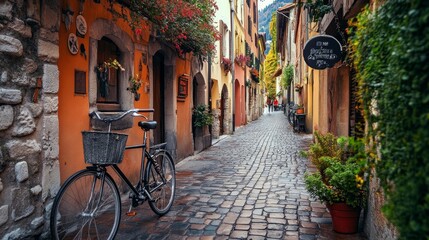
x,y
263,3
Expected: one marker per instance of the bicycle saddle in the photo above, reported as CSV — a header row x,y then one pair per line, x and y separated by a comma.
x,y
147,125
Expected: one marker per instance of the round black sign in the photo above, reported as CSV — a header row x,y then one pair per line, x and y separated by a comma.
x,y
322,52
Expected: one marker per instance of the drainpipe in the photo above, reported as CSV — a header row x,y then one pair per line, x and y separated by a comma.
x,y
209,82
231,56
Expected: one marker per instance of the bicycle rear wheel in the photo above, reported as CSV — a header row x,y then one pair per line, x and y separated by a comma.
x,y
86,207
161,192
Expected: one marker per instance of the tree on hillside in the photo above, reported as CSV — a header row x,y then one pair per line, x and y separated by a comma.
x,y
271,61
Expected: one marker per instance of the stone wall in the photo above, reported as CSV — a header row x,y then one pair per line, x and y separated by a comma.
x,y
376,225
216,123
29,171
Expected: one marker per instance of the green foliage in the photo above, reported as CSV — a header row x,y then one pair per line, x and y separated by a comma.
x,y
273,30
325,145
271,61
135,84
264,15
341,165
287,76
186,24
201,116
317,9
390,52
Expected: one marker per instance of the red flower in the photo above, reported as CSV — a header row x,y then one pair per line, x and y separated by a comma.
x,y
184,23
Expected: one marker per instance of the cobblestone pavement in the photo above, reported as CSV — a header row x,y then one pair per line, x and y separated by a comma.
x,y
247,186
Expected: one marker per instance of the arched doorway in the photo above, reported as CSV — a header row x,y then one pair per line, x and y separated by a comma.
x,y
201,135
238,104
159,97
215,93
163,93
224,106
198,84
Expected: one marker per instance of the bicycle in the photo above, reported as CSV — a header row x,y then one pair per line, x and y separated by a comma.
x,y
291,114
88,204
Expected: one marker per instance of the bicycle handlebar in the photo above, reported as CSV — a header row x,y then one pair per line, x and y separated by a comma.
x,y
113,119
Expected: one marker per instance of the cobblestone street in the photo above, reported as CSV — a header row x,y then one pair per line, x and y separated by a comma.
x,y
247,186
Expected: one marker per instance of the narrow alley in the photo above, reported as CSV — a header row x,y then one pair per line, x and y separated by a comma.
x,y
247,186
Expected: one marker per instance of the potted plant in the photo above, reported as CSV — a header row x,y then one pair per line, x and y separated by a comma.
x,y
339,181
299,109
317,9
103,71
226,64
135,84
298,87
254,74
241,60
201,116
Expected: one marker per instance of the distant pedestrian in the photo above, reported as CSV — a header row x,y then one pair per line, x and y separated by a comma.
x,y
276,104
270,104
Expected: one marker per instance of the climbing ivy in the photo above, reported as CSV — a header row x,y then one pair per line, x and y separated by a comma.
x,y
287,76
271,61
390,49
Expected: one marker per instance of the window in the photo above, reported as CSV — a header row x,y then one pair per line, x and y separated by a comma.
x,y
249,25
256,41
107,79
110,42
223,29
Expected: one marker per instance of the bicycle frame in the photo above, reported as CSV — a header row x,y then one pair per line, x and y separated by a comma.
x,y
98,191
142,183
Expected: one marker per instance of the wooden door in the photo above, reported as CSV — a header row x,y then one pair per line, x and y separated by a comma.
x,y
158,98
222,113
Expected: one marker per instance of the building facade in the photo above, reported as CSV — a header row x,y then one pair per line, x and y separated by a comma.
x,y
329,95
252,50
53,74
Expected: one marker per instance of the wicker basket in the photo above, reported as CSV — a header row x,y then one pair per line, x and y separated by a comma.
x,y
103,147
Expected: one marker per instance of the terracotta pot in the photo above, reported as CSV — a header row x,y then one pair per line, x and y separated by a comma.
x,y
345,219
299,110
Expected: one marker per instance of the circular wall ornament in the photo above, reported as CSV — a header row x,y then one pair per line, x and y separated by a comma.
x,y
72,44
81,27
322,52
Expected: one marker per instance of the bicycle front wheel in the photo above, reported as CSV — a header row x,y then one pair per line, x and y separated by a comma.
x,y
161,185
86,207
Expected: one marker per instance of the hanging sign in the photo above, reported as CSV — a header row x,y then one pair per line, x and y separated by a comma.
x,y
322,52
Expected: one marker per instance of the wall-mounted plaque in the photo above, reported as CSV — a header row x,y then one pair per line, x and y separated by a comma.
x,y
79,82
81,27
182,87
72,43
322,52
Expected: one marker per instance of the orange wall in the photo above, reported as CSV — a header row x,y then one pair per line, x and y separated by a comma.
x,y
74,109
240,101
184,113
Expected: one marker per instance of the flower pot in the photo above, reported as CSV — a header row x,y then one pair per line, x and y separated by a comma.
x,y
136,96
299,110
345,219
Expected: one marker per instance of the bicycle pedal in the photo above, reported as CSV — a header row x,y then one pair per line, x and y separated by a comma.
x,y
131,213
